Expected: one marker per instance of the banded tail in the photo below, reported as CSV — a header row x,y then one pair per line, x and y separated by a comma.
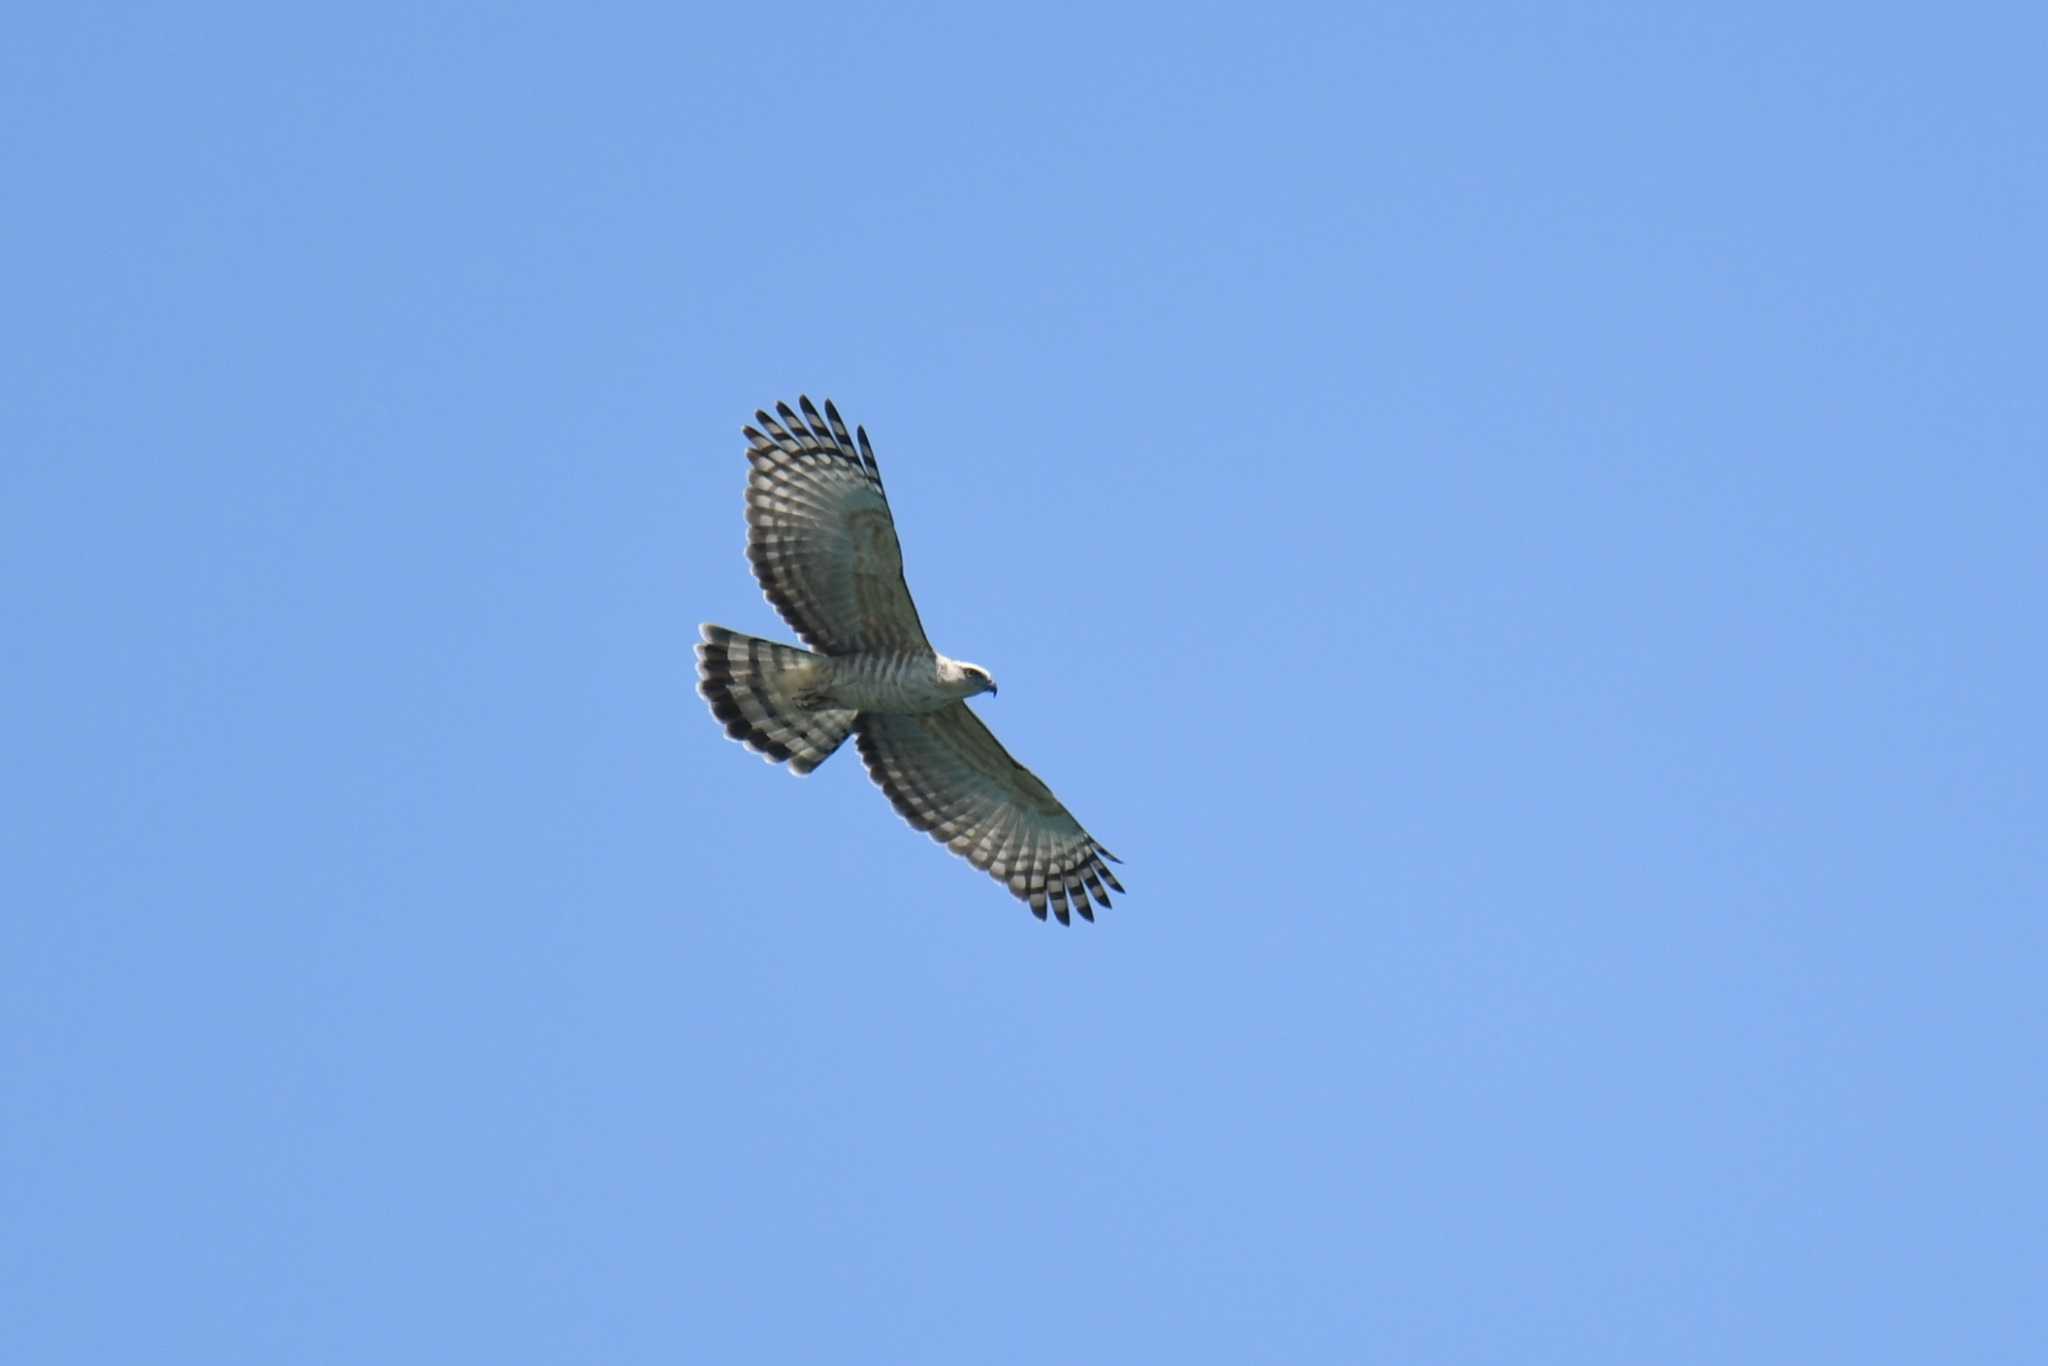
x,y
753,686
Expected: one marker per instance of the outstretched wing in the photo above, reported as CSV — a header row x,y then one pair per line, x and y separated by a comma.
x,y
950,778
821,537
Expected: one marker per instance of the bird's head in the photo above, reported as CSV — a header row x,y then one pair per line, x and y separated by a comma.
x,y
969,678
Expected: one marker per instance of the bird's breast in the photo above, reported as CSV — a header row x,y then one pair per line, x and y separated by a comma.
x,y
904,683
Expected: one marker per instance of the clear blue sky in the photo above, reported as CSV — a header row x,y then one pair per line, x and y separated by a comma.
x,y
1524,525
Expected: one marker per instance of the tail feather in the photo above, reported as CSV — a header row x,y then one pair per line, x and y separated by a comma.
x,y
753,686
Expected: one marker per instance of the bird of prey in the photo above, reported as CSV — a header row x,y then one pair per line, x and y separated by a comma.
x,y
824,547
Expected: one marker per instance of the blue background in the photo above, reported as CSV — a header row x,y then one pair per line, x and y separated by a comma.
x,y
1524,525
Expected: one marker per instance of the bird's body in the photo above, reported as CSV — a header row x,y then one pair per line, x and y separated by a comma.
x,y
905,683
823,543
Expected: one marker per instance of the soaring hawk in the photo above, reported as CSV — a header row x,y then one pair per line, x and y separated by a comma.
x,y
824,548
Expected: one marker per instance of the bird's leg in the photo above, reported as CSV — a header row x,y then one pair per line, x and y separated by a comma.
x,y
808,685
